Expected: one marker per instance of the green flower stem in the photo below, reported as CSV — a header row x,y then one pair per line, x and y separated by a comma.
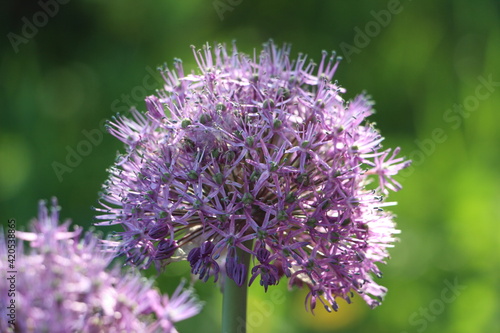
x,y
234,300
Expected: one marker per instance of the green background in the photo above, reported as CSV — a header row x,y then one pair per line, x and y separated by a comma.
x,y
420,64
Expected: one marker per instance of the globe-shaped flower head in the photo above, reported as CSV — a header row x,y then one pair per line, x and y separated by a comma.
x,y
262,154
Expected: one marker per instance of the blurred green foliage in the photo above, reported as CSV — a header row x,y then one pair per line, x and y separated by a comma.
x,y
93,58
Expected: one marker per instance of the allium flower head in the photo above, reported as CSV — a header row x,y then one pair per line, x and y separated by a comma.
x,y
62,285
259,153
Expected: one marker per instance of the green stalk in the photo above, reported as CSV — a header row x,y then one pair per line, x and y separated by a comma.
x,y
234,300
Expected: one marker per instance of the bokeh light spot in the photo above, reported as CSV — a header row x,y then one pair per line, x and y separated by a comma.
x,y
16,164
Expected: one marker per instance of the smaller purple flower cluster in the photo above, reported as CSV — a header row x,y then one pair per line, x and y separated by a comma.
x,y
63,285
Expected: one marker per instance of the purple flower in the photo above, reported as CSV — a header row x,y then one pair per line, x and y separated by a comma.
x,y
202,262
268,272
260,150
234,269
63,284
